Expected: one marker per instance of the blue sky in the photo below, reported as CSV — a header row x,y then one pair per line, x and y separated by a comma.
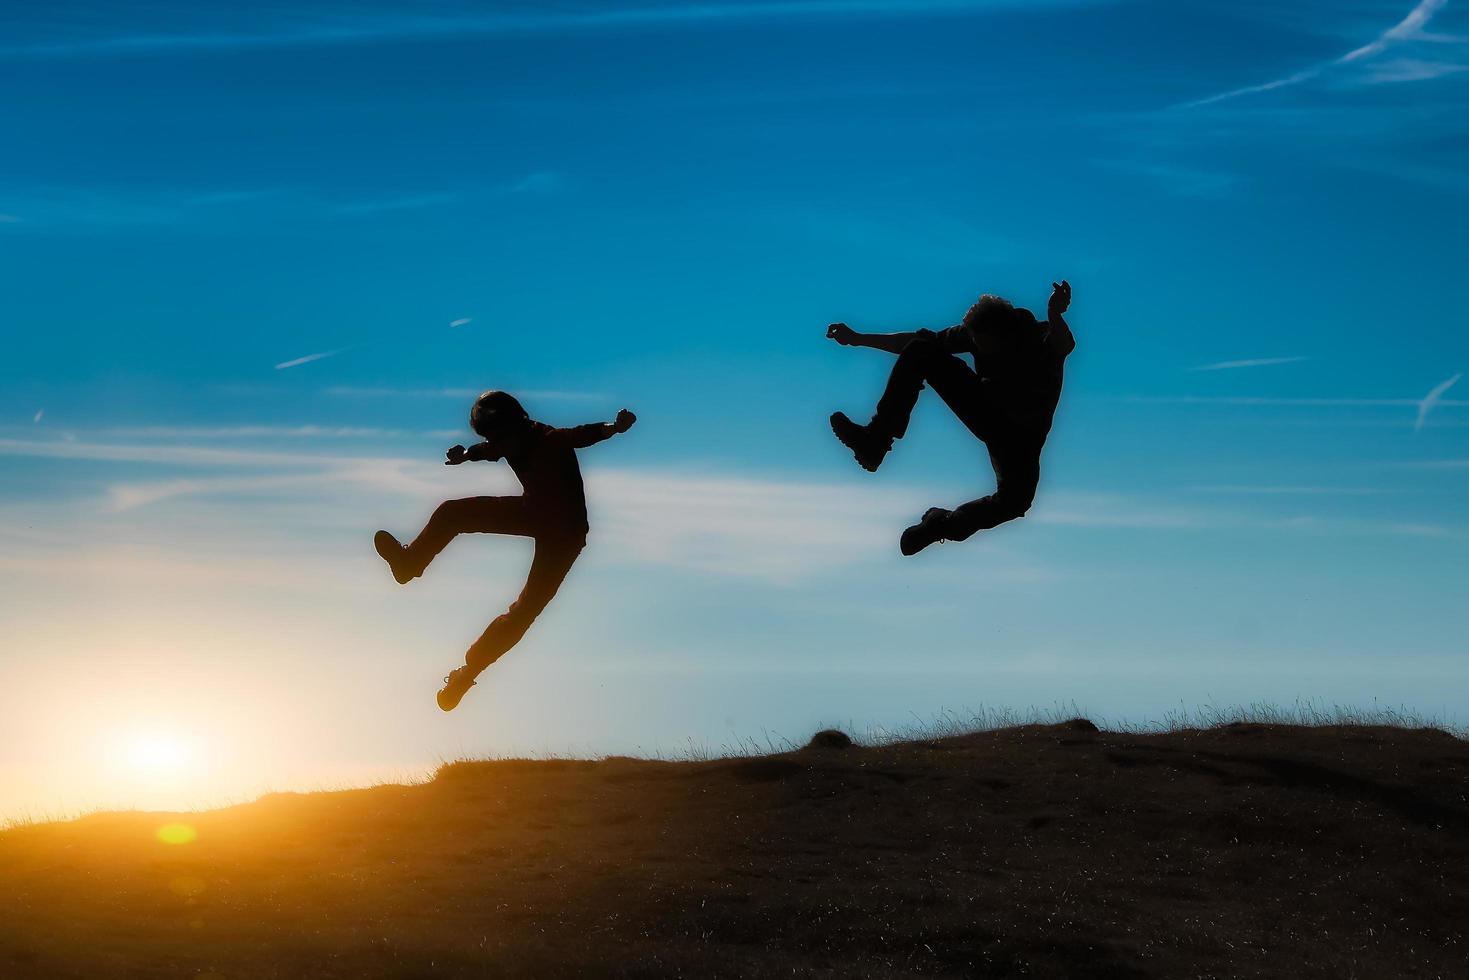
x,y
661,205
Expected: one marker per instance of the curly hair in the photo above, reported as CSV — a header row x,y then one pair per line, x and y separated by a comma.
x,y
994,314
493,410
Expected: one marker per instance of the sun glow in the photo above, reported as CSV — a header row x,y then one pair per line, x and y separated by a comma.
x,y
157,754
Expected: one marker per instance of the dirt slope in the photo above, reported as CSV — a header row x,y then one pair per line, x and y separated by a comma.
x,y
1038,852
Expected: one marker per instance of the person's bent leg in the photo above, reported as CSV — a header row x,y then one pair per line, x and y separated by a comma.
x,y
468,515
553,560
923,360
1017,472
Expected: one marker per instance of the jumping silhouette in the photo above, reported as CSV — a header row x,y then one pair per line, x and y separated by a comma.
x,y
552,511
1007,400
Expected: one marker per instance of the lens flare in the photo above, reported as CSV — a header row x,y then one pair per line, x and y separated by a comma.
x,y
177,833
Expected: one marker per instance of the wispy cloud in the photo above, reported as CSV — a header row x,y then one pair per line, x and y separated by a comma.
x,y
357,29
913,236
766,528
526,394
1305,402
163,455
1444,177
1289,491
128,496
384,391
1412,70
1433,399
772,528
309,358
40,414
1416,530
398,203
1177,180
541,182
537,182
50,206
462,321
769,528
260,432
1249,363
1409,27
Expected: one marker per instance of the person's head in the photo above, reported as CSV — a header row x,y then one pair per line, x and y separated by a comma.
x,y
995,323
496,414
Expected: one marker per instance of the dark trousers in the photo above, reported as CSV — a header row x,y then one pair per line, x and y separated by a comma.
x,y
557,548
1015,451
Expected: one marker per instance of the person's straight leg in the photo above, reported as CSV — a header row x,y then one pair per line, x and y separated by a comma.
x,y
468,515
553,559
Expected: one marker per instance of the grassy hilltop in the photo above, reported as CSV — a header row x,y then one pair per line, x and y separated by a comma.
x,y
1038,851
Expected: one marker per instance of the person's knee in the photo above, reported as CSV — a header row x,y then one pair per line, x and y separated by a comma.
x,y
504,632
995,509
922,350
1012,506
450,512
515,621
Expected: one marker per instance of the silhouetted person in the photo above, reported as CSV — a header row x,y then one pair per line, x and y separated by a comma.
x,y
1007,400
552,511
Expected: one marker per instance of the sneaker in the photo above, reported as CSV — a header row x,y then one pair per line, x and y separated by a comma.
x,y
394,554
456,685
928,530
867,446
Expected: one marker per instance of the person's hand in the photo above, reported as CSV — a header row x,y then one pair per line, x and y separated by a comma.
x,y
1060,299
842,334
625,420
456,455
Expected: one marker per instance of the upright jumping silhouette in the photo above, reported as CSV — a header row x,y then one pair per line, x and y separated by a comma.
x,y
1007,401
552,510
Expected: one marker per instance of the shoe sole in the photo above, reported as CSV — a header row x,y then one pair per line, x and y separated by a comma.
x,y
927,515
443,696
855,455
903,546
909,554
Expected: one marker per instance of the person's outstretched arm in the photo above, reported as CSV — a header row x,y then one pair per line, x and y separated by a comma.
x,y
582,436
1058,334
893,343
481,452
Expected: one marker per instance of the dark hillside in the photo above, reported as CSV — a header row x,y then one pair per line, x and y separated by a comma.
x,y
1041,851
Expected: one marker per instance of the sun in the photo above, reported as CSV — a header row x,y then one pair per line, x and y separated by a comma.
x,y
158,753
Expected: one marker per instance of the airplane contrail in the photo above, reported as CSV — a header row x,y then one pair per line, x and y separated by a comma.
x,y
1410,25
1432,399
1406,28
1251,362
321,355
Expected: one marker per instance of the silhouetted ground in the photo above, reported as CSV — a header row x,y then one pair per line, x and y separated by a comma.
x,y
1041,851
